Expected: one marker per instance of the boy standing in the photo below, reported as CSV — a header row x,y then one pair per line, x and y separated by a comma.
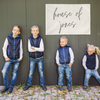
x,y
36,49
64,60
13,53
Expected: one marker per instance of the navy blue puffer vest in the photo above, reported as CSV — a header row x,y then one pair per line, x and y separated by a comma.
x,y
13,49
36,43
64,56
91,61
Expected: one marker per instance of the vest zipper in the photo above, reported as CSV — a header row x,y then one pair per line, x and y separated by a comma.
x,y
64,55
14,50
35,51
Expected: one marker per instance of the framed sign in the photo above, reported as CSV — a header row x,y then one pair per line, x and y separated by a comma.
x,y
71,19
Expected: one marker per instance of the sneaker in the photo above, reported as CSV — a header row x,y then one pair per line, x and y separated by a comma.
x,y
69,88
44,87
85,87
26,87
10,90
61,88
4,89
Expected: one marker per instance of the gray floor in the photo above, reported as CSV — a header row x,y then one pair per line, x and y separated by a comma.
x,y
52,93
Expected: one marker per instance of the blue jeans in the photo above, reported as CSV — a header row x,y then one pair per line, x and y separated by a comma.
x,y
67,69
33,63
89,73
14,73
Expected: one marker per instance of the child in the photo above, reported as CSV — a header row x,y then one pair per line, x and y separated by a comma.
x,y
91,63
36,49
64,60
13,53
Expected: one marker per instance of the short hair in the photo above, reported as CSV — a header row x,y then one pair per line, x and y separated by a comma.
x,y
64,37
34,27
18,27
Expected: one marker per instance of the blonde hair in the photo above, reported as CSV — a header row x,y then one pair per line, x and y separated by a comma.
x,y
94,48
64,37
34,26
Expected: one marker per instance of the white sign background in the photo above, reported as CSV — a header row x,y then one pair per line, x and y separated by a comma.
x,y
71,19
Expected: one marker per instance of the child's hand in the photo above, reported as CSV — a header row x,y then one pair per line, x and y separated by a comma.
x,y
95,69
58,64
70,64
19,59
7,59
32,47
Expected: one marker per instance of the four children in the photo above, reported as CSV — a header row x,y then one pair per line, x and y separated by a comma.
x,y
13,53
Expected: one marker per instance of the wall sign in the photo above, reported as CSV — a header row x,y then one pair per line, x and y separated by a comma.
x,y
71,19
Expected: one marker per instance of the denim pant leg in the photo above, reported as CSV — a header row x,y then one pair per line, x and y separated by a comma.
x,y
31,71
5,73
96,75
61,74
41,71
88,74
14,73
68,72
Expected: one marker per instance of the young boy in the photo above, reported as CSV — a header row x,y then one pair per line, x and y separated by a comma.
x,y
36,49
64,60
13,53
90,63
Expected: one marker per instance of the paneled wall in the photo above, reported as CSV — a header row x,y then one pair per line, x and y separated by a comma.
x,y
26,13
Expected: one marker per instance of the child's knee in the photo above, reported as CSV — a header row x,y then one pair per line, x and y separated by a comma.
x,y
87,76
41,73
3,71
69,77
30,74
14,74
